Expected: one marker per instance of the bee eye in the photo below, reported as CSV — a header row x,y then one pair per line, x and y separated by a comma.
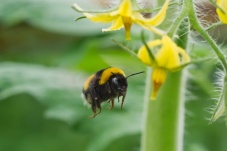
x,y
115,80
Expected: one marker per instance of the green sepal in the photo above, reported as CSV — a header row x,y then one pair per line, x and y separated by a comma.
x,y
220,108
191,62
147,47
79,18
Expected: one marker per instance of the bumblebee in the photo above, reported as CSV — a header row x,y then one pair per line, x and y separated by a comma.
x,y
105,85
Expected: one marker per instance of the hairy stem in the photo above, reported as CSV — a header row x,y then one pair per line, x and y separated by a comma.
x,y
174,27
196,24
213,26
164,117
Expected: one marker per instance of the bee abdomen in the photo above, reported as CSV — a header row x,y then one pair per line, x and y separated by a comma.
x,y
87,99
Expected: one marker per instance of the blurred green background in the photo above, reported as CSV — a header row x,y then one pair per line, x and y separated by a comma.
x,y
45,56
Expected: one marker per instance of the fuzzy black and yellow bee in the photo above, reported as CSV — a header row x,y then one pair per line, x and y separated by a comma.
x,y
105,85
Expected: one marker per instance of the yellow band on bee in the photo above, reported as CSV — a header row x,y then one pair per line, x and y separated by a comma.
x,y
87,82
107,73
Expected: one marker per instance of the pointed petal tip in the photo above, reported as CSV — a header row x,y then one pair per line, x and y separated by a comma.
x,y
76,7
153,96
160,16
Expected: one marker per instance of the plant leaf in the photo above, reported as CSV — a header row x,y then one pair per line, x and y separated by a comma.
x,y
57,89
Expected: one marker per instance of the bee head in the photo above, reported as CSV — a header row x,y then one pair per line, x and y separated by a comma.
x,y
119,84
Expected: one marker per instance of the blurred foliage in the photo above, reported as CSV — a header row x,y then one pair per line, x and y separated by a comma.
x,y
59,92
46,57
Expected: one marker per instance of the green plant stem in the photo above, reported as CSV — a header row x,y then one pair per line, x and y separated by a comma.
x,y
164,117
178,21
125,48
225,96
213,26
220,109
195,23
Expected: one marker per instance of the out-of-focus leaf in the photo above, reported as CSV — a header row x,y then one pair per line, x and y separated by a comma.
x,y
128,64
60,90
51,15
57,89
24,126
114,124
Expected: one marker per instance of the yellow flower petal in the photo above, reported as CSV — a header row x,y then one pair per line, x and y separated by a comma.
x,y
143,54
155,21
184,55
125,11
158,78
125,16
117,25
167,57
223,5
104,17
159,17
127,21
125,8
76,7
151,28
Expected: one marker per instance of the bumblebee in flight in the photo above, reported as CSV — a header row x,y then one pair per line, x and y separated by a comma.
x,y
105,85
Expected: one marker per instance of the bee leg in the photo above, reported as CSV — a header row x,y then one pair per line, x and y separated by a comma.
x,y
99,106
93,107
93,93
118,98
122,101
112,104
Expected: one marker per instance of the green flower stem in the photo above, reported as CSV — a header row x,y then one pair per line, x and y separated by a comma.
x,y
195,23
174,27
164,117
213,26
225,96
220,108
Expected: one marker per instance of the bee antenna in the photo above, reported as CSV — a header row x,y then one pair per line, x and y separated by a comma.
x,y
134,74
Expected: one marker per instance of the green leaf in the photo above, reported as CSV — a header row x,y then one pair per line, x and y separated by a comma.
x,y
114,124
54,16
57,89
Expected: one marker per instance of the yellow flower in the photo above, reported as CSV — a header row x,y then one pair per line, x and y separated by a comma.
x,y
168,57
125,16
222,15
